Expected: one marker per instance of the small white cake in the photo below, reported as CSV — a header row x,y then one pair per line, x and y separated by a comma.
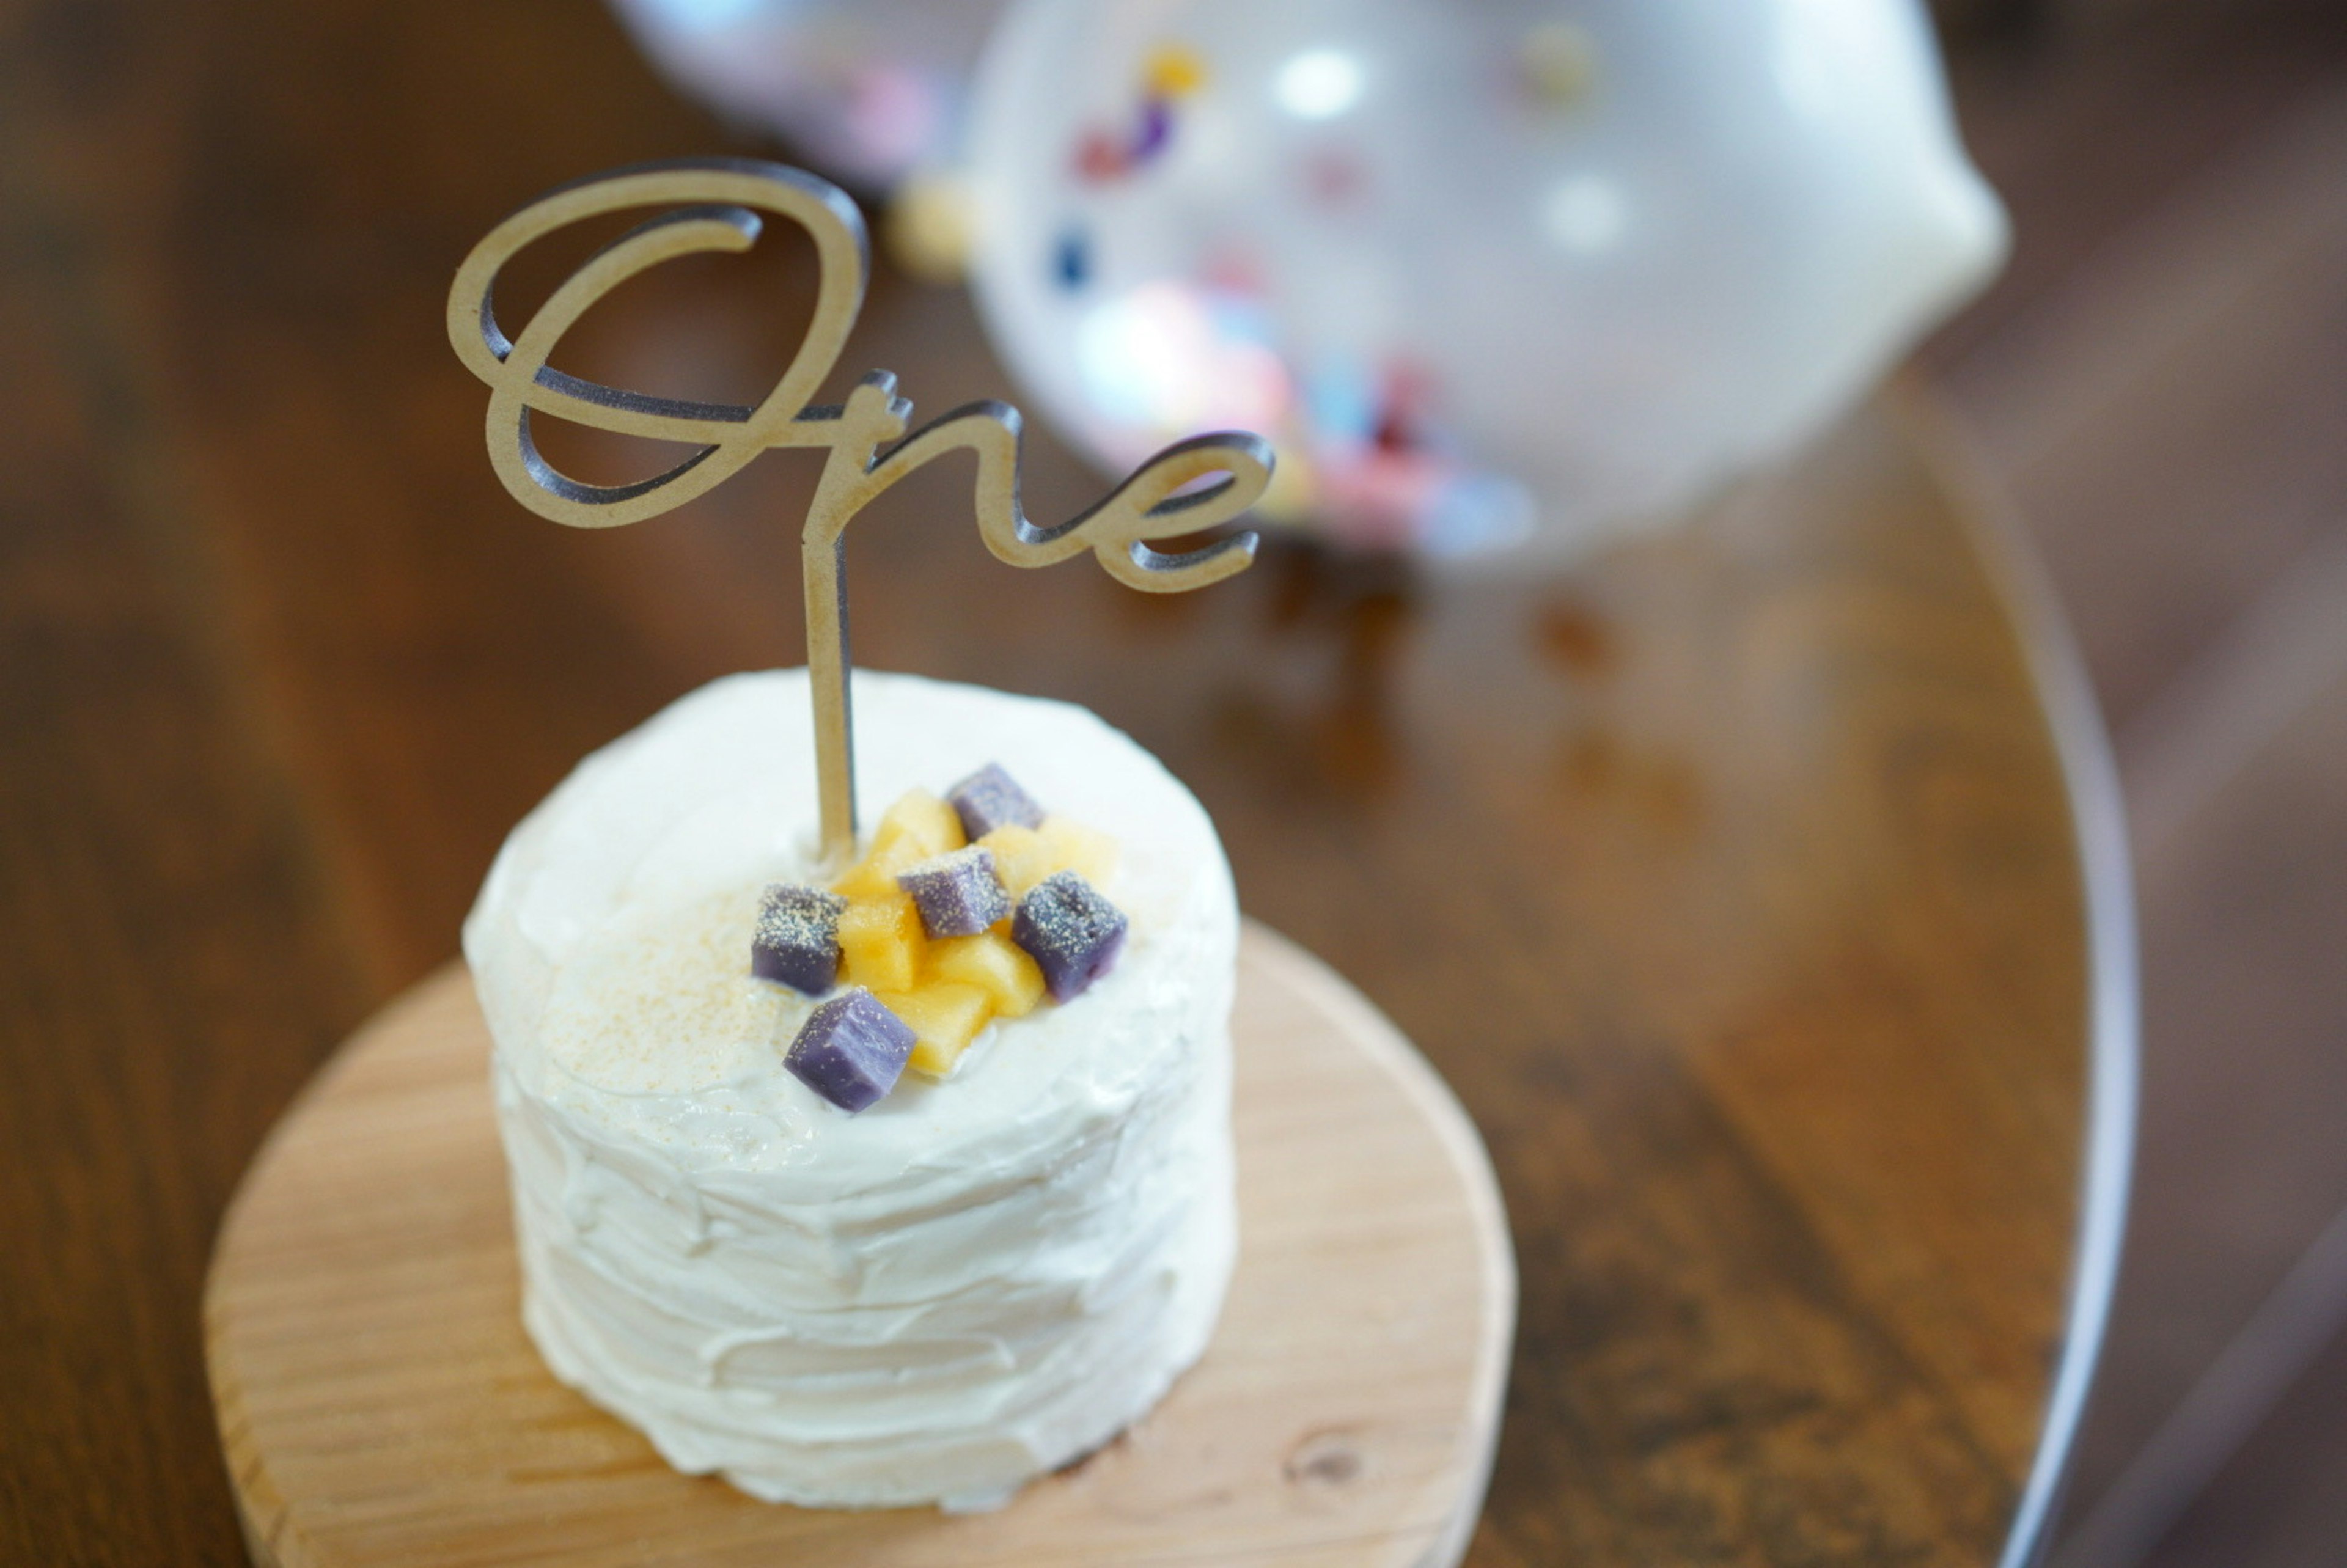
x,y
976,1280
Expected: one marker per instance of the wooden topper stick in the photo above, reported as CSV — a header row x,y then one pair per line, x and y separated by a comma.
x,y
713,205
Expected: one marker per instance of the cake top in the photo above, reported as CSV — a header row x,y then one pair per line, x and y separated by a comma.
x,y
615,933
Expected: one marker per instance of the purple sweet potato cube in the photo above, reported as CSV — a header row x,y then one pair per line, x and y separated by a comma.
x,y
797,939
851,1049
957,893
990,798
1073,933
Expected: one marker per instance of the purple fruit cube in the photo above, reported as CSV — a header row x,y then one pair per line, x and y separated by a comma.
x,y
1073,933
851,1049
990,798
797,939
957,893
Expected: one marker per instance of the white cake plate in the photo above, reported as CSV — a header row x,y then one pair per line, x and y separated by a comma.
x,y
380,1405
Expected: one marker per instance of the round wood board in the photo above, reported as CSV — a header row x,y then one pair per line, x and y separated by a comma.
x,y
380,1404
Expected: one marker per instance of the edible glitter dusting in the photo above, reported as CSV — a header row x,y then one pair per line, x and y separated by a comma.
x,y
1072,932
990,798
797,938
958,893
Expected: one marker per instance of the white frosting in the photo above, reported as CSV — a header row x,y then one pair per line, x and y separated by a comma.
x,y
969,1283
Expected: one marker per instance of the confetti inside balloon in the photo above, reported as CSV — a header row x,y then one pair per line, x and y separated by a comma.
x,y
870,92
1481,270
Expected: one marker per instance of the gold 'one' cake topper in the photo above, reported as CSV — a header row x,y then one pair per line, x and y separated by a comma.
x,y
713,205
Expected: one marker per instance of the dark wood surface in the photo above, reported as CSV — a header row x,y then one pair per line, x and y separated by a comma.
x,y
1731,879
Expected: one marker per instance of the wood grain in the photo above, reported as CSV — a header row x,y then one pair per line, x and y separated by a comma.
x,y
1731,879
380,1404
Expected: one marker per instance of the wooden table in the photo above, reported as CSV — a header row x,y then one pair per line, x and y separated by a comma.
x,y
1757,887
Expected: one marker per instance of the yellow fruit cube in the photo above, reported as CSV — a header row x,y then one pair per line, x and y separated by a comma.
x,y
1021,858
881,944
1086,851
943,1019
874,877
993,963
1025,855
924,819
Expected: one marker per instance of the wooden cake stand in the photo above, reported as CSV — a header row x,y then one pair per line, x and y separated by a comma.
x,y
380,1404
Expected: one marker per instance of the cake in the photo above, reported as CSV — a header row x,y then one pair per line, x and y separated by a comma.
x,y
983,1274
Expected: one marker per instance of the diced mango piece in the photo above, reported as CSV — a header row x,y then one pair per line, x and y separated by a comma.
x,y
1024,857
924,819
993,963
881,944
1021,858
944,1017
874,877
1086,851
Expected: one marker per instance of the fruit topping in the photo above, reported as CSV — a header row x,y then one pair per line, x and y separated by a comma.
x,y
1086,851
851,1049
1021,858
1025,855
875,875
994,964
961,911
957,892
990,798
881,944
1073,933
921,818
797,938
944,1017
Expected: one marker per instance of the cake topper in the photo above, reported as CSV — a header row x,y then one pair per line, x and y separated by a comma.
x,y
714,204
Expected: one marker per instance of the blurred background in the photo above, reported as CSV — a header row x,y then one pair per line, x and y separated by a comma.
x,y
2158,384
2155,385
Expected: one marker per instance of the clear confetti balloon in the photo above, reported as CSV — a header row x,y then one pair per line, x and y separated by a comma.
x,y
869,91
1482,269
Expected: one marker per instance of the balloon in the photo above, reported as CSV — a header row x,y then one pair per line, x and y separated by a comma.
x,y
1480,267
867,91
